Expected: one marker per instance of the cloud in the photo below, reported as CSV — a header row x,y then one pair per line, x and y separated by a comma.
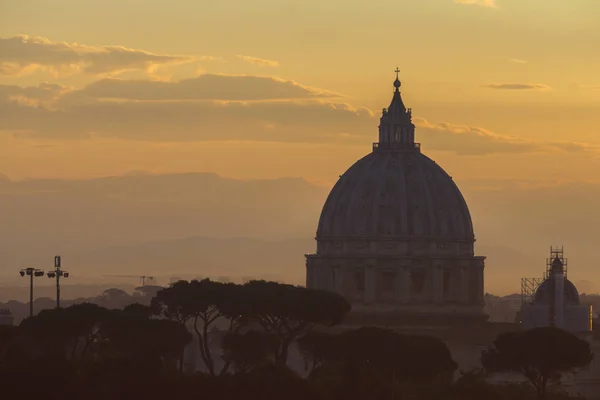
x,y
483,3
472,140
518,86
226,107
210,58
517,61
21,55
204,87
211,107
259,61
45,94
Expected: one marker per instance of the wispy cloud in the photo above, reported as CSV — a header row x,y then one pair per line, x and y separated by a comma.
x,y
518,86
259,61
517,61
211,58
482,3
217,87
473,140
21,55
249,108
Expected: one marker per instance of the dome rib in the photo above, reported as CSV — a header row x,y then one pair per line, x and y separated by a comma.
x,y
374,222
429,205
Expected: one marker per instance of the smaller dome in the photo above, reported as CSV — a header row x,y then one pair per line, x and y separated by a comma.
x,y
543,294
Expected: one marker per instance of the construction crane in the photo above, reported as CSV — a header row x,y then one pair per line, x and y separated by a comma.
x,y
143,278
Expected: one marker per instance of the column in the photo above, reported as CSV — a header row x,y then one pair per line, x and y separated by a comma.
x,y
464,286
404,284
441,275
311,276
370,284
480,283
436,283
340,280
397,284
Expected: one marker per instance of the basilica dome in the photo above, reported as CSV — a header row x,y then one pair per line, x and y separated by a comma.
x,y
396,195
395,235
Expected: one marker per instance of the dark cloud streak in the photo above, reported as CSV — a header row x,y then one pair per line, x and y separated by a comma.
x,y
518,86
23,54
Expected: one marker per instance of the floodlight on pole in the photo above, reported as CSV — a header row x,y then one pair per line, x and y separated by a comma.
x,y
31,273
57,273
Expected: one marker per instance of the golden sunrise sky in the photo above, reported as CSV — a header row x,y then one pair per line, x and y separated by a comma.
x,y
505,96
501,89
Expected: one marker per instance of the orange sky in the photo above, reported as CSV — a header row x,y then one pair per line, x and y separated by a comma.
x,y
501,90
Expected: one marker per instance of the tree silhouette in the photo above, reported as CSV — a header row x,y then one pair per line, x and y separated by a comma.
x,y
540,354
68,333
249,350
133,334
202,303
314,348
289,312
374,363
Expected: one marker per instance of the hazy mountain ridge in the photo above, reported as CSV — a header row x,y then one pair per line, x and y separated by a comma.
x,y
204,224
136,209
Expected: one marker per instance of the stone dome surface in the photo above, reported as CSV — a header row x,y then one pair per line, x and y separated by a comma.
x,y
543,294
396,194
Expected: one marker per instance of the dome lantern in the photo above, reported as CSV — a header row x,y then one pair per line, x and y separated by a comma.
x,y
396,130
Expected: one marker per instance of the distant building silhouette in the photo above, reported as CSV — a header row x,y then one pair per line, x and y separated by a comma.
x,y
6,317
556,300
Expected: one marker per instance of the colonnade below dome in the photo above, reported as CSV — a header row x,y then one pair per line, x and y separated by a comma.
x,y
405,285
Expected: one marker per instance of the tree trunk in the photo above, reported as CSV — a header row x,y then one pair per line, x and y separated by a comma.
x,y
544,383
281,358
202,339
209,361
181,356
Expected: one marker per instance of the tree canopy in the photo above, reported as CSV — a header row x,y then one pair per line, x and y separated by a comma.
x,y
540,354
283,311
90,352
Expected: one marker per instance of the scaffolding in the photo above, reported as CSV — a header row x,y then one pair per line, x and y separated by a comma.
x,y
528,289
530,285
556,252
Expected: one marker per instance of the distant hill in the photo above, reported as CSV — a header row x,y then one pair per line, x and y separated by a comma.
x,y
202,257
204,224
41,217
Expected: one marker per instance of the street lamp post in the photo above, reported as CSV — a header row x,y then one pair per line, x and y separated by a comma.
x,y
57,273
31,273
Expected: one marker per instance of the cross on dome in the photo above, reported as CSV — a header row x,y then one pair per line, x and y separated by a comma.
x,y
397,81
